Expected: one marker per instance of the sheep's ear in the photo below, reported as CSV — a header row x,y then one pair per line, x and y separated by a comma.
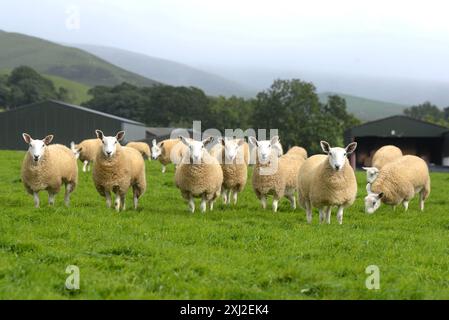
x,y
120,135
208,140
325,147
350,148
241,142
48,139
253,141
274,140
184,140
72,145
221,141
99,134
366,168
380,195
154,142
27,138
79,150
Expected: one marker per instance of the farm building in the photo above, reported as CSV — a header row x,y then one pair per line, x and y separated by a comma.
x,y
412,136
162,133
66,122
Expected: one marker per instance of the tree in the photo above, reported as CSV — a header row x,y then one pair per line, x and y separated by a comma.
x,y
428,112
4,91
28,86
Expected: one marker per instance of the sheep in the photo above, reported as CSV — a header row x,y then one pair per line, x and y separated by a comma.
x,y
398,182
381,157
86,151
168,151
298,151
199,174
233,155
274,175
116,169
47,167
328,180
142,147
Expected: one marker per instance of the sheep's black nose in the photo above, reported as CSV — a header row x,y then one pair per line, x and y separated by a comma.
x,y
109,153
36,158
337,167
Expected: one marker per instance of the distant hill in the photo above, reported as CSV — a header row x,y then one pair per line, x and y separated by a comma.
x,y
169,72
366,109
77,91
62,61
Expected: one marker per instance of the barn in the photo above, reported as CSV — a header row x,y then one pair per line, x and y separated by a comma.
x,y
65,121
426,140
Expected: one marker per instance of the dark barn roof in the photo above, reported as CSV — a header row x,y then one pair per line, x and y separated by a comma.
x,y
396,126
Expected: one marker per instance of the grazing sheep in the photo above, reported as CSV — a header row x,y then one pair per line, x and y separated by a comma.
x,y
86,151
297,151
233,155
398,182
274,175
168,151
199,174
116,169
142,147
328,180
381,157
47,167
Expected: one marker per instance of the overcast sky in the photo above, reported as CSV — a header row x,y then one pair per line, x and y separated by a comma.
x,y
407,39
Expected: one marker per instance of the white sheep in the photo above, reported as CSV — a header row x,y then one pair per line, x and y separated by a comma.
x,y
232,154
47,167
274,175
398,182
381,157
86,151
168,151
116,169
142,147
199,175
325,181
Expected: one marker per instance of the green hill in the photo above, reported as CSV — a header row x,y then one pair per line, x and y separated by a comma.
x,y
77,91
62,61
366,109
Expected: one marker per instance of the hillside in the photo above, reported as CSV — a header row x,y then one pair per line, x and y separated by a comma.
x,y
366,109
62,61
169,72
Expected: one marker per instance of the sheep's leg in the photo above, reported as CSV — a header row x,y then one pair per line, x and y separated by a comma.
x,y
339,214
235,196
421,201
135,200
328,214
36,199
211,205
85,163
308,211
263,201
117,203
163,168
291,197
68,191
122,202
405,204
51,198
107,194
203,205
224,195
191,204
229,196
275,204
322,214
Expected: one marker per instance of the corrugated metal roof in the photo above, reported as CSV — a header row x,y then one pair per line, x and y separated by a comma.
x,y
397,126
64,104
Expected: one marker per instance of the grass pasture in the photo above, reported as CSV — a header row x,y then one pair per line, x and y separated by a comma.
x,y
163,252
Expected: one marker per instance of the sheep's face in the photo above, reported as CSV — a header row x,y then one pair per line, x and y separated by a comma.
x,y
156,150
265,148
371,173
37,147
231,148
372,202
337,156
196,149
109,146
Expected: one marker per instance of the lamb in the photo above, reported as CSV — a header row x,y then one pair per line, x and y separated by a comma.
x,y
86,151
233,156
398,182
47,167
325,181
199,174
168,151
274,175
116,169
383,156
142,147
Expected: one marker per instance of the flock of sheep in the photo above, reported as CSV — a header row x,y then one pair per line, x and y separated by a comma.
x,y
208,171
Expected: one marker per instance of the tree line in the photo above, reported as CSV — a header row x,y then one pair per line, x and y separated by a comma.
x,y
430,113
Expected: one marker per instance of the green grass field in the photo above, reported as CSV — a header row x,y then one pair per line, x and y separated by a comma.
x,y
164,252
